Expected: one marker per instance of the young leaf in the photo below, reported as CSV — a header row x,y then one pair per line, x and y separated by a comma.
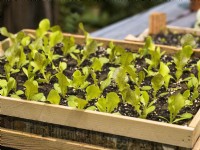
x,y
126,58
92,91
183,117
198,68
102,104
181,58
120,78
109,103
68,45
175,104
55,37
149,45
164,71
53,97
112,101
31,88
63,83
105,83
78,79
156,82
76,102
188,39
44,26
62,66
98,63
25,41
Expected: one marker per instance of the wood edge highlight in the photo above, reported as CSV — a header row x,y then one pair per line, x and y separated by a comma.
x,y
22,140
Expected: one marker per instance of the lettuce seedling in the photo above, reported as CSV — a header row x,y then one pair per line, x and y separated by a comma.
x,y
139,100
109,103
188,39
181,58
7,86
92,92
198,68
155,58
39,64
55,38
79,80
44,26
135,77
147,107
121,78
69,46
53,97
175,104
91,45
164,71
4,32
114,51
97,63
126,58
62,85
74,101
193,84
29,72
157,82
31,91
149,46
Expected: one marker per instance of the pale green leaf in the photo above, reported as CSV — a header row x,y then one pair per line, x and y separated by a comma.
x,y
62,82
92,91
105,83
53,97
112,101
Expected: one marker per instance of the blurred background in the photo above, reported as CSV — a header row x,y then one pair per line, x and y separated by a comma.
x,y
95,14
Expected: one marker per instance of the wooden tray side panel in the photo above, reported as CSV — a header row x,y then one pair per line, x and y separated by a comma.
x,y
195,123
96,121
21,140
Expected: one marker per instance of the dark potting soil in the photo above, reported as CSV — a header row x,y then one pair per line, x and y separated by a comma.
x,y
172,39
123,107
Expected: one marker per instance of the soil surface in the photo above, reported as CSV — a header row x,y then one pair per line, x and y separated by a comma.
x,y
172,39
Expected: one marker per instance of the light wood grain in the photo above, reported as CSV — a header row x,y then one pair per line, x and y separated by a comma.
x,y
97,121
26,141
197,145
157,22
194,5
195,123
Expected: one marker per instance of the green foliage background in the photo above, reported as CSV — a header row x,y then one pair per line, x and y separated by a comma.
x,y
96,14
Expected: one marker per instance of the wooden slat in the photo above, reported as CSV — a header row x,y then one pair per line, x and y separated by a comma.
x,y
195,123
157,22
97,121
197,145
138,23
26,141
